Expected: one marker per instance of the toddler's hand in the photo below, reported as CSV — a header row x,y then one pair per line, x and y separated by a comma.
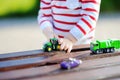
x,y
66,44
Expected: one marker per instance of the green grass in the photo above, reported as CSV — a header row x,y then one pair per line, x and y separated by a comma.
x,y
13,7
30,7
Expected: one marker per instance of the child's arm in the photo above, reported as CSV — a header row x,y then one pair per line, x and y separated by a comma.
x,y
86,24
45,19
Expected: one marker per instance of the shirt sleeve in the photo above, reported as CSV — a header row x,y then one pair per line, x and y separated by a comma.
x,y
44,15
87,23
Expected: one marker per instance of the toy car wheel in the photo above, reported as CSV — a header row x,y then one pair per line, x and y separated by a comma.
x,y
49,49
97,51
108,50
58,47
112,50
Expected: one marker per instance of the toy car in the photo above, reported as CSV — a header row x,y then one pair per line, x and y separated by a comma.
x,y
53,45
71,63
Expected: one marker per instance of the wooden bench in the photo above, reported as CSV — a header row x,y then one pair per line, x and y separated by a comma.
x,y
39,65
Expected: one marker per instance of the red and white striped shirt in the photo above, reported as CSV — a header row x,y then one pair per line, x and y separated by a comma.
x,y
78,17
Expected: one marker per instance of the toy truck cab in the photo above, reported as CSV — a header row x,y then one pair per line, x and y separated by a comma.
x,y
94,46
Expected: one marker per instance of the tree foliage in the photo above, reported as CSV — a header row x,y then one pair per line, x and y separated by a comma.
x,y
18,7
110,5
30,7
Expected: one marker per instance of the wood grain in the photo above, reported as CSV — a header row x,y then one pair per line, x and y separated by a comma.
x,y
101,68
36,53
39,65
39,61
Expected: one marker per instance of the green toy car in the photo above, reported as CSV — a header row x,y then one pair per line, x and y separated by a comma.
x,y
53,45
105,46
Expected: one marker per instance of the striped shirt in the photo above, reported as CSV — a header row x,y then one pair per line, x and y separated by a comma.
x,y
77,17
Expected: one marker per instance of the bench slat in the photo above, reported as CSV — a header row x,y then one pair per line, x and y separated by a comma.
x,y
36,53
39,61
90,69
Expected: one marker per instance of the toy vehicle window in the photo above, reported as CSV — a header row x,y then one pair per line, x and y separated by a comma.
x,y
91,45
96,45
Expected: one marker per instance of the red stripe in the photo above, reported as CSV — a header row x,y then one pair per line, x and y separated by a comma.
x,y
90,9
43,21
46,7
63,30
89,1
85,21
63,22
93,18
69,15
60,36
47,15
47,3
63,7
81,29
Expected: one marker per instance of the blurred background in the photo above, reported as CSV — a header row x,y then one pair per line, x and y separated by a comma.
x,y
19,30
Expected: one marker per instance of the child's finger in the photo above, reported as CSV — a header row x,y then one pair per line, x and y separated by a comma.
x,y
66,47
62,46
69,49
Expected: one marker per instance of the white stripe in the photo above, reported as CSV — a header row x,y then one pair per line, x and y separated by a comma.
x,y
45,11
90,5
45,24
98,1
62,26
60,33
66,18
65,11
44,5
58,3
40,19
61,3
